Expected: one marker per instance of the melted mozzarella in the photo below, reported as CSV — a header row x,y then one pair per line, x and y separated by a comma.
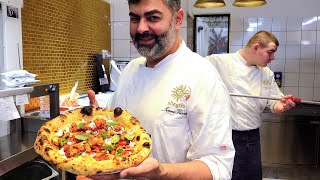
x,y
59,133
93,155
70,143
92,125
131,144
107,141
61,152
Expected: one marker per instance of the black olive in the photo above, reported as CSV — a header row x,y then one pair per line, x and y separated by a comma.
x,y
87,110
117,111
146,144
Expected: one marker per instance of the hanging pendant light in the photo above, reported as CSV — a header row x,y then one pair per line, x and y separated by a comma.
x,y
249,3
209,3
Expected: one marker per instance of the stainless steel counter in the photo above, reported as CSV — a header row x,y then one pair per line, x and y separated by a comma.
x,y
15,91
16,149
292,138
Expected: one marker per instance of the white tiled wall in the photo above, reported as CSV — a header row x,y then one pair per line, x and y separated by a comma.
x,y
298,56
122,49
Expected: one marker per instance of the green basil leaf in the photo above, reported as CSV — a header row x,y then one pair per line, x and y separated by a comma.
x,y
115,139
119,151
82,137
104,134
108,148
111,123
80,125
129,136
79,153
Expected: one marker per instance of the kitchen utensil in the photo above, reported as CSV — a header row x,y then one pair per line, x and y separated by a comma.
x,y
294,99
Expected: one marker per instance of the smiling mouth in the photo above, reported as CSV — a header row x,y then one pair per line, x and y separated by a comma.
x,y
146,41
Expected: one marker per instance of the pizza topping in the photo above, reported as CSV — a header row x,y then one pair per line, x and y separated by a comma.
x,y
104,134
117,111
61,152
82,137
129,136
115,139
62,141
111,123
87,110
59,133
80,126
119,151
92,125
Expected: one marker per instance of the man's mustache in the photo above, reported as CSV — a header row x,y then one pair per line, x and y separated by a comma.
x,y
145,35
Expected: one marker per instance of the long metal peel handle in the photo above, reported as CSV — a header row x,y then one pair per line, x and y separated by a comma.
x,y
252,96
294,99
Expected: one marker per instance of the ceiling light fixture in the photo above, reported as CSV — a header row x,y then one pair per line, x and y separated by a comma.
x,y
249,3
209,3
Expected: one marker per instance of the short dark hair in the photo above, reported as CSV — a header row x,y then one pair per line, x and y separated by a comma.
x,y
173,5
263,38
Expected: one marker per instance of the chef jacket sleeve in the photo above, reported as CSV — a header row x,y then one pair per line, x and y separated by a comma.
x,y
210,126
274,92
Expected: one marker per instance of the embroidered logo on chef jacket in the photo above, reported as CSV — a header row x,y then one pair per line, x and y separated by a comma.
x,y
266,83
180,95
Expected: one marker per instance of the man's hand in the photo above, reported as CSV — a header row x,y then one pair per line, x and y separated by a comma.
x,y
92,98
148,169
284,104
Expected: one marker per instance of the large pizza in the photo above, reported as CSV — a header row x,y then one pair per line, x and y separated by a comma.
x,y
89,141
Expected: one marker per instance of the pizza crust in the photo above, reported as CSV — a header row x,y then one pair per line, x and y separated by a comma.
x,y
46,143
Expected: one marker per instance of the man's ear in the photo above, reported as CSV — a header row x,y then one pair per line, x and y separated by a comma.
x,y
255,47
179,18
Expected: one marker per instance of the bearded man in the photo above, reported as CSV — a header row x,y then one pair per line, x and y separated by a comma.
x,y
177,96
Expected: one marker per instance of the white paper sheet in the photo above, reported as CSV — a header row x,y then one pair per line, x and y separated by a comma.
x,y
8,109
22,99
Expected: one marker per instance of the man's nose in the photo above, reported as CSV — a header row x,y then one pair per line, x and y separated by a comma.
x,y
272,57
142,27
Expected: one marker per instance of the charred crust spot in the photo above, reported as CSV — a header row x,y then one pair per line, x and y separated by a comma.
x,y
133,120
146,145
138,138
117,111
87,110
47,149
47,130
40,142
99,171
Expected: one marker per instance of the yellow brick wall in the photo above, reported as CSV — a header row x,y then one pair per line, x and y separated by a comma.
x,y
60,38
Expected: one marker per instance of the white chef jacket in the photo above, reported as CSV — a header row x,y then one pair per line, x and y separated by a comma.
x,y
184,105
242,79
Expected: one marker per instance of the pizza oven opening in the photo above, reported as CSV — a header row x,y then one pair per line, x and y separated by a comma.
x,y
43,106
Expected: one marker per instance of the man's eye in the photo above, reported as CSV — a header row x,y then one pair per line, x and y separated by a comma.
x,y
134,19
153,18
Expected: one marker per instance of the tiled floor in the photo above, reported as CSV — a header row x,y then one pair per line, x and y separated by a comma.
x,y
291,173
